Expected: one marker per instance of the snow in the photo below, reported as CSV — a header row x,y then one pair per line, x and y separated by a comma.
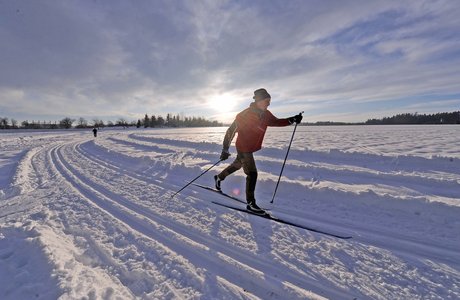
x,y
93,218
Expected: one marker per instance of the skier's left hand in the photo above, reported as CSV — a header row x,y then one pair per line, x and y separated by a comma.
x,y
297,118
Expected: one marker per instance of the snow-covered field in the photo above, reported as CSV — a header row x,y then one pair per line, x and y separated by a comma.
x,y
93,218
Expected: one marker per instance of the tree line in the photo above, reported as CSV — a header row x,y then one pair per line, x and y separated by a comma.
x,y
175,121
183,121
415,118
401,119
67,123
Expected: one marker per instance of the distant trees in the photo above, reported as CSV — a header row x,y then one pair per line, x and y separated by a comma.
x,y
408,118
98,123
82,123
176,121
153,121
39,125
181,120
122,122
4,123
66,123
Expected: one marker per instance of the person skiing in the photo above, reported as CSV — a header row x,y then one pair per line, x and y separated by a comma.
x,y
251,125
95,131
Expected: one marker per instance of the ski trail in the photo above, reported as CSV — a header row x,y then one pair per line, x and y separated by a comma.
x,y
372,236
108,206
332,224
181,233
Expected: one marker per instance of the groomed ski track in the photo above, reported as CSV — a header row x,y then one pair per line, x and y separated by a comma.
x,y
172,236
110,198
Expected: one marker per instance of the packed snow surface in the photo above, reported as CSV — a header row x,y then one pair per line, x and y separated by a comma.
x,y
93,218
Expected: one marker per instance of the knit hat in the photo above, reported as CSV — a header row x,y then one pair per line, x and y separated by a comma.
x,y
261,94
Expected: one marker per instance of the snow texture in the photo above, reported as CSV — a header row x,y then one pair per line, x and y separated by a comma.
x,y
93,218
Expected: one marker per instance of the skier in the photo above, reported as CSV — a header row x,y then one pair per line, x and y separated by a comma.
x,y
251,125
95,131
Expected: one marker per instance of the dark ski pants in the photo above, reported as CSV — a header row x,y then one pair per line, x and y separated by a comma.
x,y
245,161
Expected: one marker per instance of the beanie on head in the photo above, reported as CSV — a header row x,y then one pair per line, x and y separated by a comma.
x,y
261,94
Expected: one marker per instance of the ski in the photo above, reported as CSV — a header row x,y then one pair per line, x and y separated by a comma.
x,y
224,194
219,192
269,217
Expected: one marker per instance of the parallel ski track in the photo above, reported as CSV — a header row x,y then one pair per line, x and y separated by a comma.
x,y
71,187
405,244
179,237
55,165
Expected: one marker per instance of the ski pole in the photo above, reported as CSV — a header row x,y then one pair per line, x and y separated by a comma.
x,y
196,178
282,168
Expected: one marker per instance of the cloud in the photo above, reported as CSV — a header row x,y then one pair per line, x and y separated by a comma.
x,y
118,58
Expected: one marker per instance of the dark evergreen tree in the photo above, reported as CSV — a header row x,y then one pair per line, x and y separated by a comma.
x,y
146,121
153,121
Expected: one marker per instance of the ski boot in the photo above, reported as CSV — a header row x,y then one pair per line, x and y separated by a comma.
x,y
217,180
252,206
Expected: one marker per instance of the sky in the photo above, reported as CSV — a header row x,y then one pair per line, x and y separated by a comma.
x,y
335,60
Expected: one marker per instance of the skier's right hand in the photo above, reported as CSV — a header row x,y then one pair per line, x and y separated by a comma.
x,y
224,155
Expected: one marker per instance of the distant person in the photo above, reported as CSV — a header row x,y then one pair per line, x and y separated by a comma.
x,y
95,131
250,124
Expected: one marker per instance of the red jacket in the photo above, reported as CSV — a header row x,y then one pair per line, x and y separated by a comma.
x,y
251,125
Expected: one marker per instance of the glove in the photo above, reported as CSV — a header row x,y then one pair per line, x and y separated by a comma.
x,y
224,155
297,118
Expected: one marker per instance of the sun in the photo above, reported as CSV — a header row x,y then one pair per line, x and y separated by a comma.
x,y
223,103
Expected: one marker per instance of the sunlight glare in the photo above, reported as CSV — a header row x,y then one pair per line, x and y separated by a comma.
x,y
222,103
